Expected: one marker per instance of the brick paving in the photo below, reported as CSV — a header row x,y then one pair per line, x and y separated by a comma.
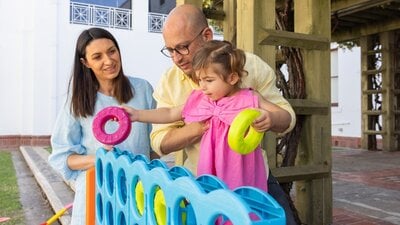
x,y
366,187
346,217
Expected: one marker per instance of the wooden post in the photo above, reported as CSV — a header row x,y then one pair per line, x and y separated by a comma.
x,y
364,95
252,17
90,196
388,103
383,112
314,197
229,23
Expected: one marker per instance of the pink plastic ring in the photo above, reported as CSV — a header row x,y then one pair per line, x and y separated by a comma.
x,y
105,115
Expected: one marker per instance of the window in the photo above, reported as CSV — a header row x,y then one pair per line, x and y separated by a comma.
x,y
158,11
334,78
102,13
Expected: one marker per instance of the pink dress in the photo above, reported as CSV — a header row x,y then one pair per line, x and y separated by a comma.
x,y
216,157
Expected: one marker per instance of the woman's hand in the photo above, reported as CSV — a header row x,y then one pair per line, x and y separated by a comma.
x,y
81,162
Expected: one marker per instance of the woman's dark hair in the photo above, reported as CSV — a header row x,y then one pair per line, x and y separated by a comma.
x,y
83,83
231,59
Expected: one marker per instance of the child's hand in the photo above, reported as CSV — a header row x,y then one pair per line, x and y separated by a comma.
x,y
108,147
133,113
264,122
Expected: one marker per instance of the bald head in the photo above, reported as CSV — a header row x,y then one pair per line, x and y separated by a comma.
x,y
185,28
186,18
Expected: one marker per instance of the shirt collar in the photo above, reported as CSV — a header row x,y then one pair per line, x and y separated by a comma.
x,y
185,77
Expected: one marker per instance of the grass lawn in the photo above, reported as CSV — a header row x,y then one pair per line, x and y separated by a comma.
x,y
10,205
48,149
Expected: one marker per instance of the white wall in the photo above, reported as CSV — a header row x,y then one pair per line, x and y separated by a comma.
x,y
11,63
28,65
346,117
37,45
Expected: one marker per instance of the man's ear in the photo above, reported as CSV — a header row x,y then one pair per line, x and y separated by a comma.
x,y
83,61
208,34
233,78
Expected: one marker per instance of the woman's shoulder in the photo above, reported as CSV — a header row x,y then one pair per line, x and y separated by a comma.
x,y
133,79
138,82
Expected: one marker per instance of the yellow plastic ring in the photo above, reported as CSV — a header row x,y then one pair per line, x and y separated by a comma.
x,y
139,195
160,208
238,140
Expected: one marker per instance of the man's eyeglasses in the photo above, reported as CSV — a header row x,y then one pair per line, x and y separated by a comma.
x,y
180,49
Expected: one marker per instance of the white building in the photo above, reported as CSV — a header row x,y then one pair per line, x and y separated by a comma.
x,y
346,96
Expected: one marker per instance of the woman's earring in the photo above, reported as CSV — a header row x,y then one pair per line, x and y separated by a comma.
x,y
82,60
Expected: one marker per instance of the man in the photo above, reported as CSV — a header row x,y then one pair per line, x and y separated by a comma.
x,y
184,32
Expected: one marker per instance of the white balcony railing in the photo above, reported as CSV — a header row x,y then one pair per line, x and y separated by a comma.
x,y
103,16
156,22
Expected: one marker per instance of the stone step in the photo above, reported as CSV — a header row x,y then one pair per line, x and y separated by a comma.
x,y
58,192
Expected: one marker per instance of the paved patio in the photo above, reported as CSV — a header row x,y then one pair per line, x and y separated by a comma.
x,y
366,187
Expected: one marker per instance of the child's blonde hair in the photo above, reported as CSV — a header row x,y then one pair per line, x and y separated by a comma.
x,y
231,59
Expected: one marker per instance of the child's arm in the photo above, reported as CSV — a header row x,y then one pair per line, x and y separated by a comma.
x,y
272,116
160,115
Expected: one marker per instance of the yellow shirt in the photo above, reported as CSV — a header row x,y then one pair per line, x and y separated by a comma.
x,y
175,87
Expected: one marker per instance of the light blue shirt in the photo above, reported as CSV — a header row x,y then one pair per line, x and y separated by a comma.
x,y
73,135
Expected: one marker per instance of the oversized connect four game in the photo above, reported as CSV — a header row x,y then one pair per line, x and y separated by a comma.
x,y
131,190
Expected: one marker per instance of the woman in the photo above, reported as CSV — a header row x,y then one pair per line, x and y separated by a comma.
x,y
97,81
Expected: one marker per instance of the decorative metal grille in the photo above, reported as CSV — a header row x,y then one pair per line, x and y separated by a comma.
x,y
156,22
102,16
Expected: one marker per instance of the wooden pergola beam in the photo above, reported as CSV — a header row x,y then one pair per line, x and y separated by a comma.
x,y
368,29
295,40
310,172
345,7
309,107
